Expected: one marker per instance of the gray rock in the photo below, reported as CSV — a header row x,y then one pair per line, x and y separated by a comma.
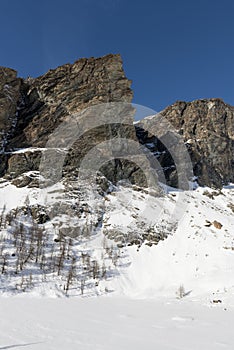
x,y
207,128
32,109
10,100
66,91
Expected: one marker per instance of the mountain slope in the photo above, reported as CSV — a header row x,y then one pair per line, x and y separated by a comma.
x,y
143,246
86,206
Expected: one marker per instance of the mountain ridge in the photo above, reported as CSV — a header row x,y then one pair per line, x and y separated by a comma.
x,y
31,109
65,230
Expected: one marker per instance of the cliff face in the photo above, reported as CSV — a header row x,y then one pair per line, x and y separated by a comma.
x,y
67,90
10,101
207,127
10,93
31,109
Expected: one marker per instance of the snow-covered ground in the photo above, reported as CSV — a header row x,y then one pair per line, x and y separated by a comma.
x,y
177,294
104,323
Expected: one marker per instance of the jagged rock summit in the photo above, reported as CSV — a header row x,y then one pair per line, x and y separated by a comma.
x,y
31,109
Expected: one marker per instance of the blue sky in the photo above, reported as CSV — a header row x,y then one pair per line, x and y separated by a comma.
x,y
172,50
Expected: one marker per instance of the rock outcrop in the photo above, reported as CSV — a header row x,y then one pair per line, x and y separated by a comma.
x,y
31,109
10,94
67,90
10,101
207,127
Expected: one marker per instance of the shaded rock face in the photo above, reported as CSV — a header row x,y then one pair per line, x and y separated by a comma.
x,y
11,90
10,93
159,151
207,127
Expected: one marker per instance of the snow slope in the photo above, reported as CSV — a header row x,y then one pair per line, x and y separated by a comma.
x,y
196,256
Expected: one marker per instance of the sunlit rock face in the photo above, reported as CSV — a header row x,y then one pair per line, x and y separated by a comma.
x,y
32,109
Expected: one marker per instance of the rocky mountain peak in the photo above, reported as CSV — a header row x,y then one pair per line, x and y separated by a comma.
x,y
31,109
69,89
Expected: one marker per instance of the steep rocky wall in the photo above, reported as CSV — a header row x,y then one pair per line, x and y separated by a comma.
x,y
10,92
207,127
67,90
10,101
48,100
